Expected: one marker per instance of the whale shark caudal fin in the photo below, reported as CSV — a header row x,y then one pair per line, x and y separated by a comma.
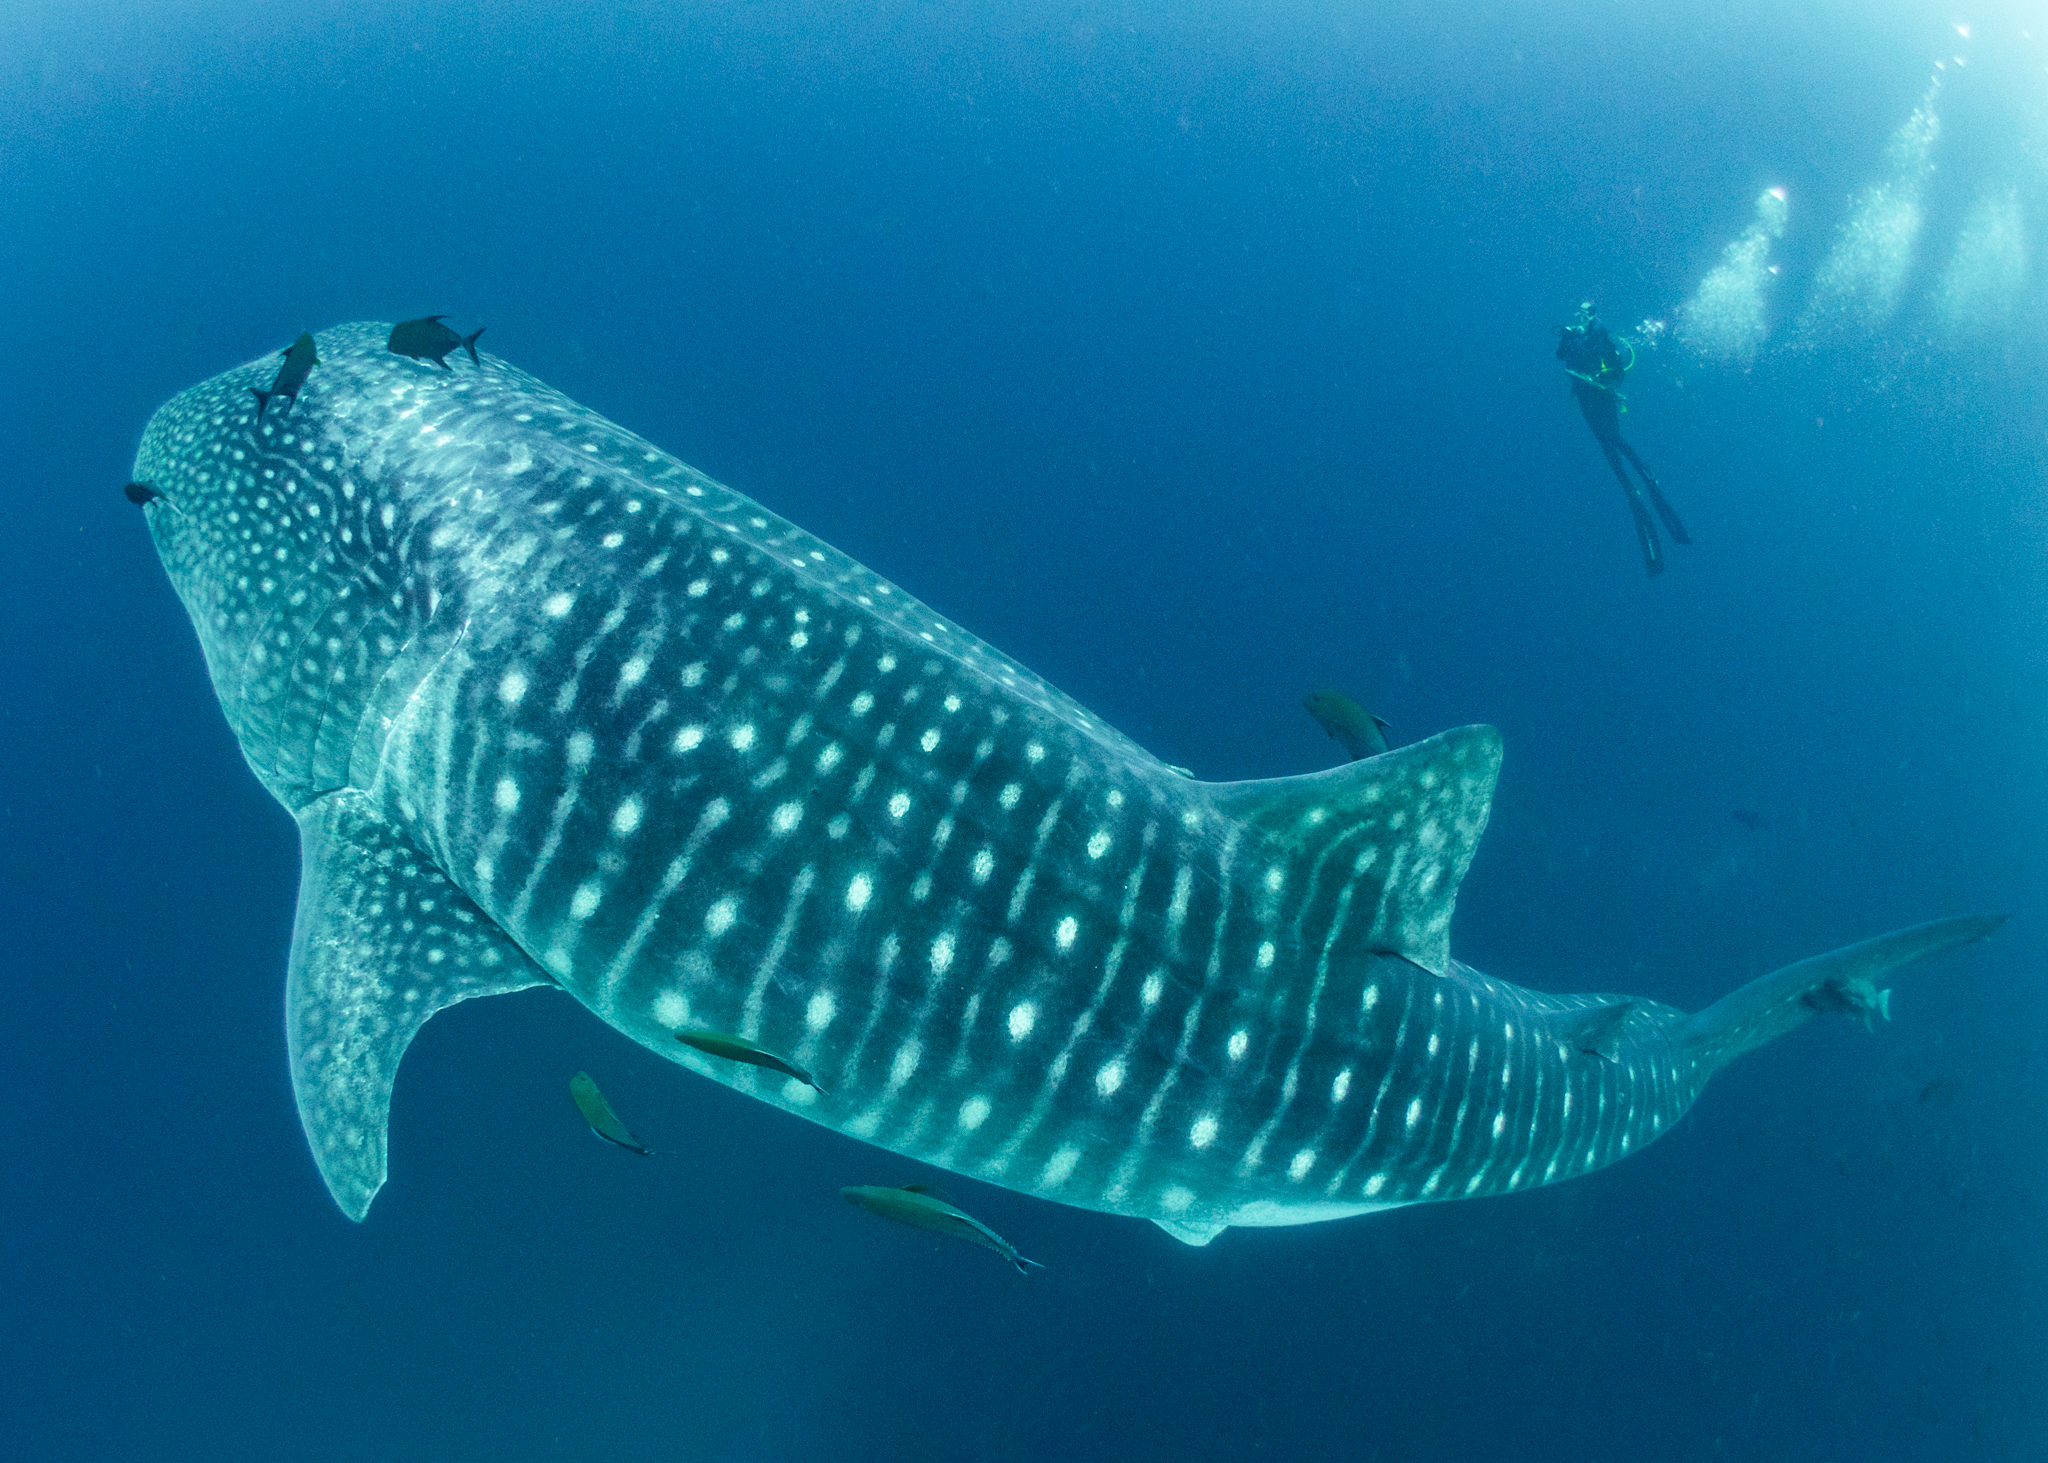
x,y
381,942
1843,980
1383,842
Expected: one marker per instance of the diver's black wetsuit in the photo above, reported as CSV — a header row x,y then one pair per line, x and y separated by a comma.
x,y
1596,365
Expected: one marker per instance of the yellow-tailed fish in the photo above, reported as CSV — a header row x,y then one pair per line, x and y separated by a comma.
x,y
739,1049
598,1113
915,1205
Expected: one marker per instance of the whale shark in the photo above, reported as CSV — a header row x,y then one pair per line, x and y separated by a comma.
x,y
552,708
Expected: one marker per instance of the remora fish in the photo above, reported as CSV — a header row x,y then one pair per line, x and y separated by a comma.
x,y
427,339
1851,995
917,1206
551,707
300,357
597,1111
739,1049
1356,730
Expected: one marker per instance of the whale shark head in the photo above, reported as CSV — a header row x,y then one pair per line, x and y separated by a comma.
x,y
300,562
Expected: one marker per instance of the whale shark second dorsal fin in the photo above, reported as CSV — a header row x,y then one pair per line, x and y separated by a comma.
x,y
1377,848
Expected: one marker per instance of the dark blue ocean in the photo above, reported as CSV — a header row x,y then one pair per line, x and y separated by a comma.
x,y
1197,356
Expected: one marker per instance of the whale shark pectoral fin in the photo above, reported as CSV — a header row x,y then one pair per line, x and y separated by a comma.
x,y
1191,1234
1390,837
382,941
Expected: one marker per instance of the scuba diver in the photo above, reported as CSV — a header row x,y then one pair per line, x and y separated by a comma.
x,y
1596,363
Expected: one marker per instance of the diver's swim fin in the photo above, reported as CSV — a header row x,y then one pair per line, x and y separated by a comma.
x,y
1646,533
1646,527
1664,510
1653,557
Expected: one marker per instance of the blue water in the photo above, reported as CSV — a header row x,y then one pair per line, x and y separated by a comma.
x,y
1197,357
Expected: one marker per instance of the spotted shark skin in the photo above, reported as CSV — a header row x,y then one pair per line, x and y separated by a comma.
x,y
552,707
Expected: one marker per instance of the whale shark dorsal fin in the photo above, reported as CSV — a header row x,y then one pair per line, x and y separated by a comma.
x,y
1386,840
1191,1234
382,941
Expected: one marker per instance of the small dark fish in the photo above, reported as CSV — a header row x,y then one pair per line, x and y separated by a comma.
x,y
917,1206
427,339
1940,1090
144,494
1358,731
299,360
1597,1032
739,1049
1748,819
1851,995
598,1113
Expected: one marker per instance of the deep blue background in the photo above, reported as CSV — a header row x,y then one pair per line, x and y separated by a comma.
x,y
1196,356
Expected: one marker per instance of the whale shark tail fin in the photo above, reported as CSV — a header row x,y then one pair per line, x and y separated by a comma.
x,y
382,941
1844,981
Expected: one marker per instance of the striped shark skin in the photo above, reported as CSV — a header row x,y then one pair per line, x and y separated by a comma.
x,y
551,707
